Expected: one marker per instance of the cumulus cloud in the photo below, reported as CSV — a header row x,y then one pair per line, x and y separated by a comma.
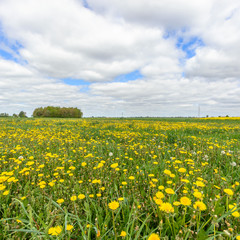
x,y
58,39
63,39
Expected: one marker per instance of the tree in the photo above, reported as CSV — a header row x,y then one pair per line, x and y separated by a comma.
x,y
57,112
22,114
4,115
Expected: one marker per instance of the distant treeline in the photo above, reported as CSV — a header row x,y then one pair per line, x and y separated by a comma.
x,y
58,112
21,114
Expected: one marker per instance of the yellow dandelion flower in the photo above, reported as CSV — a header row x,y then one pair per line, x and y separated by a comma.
x,y
169,191
153,236
55,231
182,170
81,196
198,205
69,227
159,195
6,192
166,207
199,184
197,194
114,165
185,201
168,172
158,201
113,205
123,234
236,214
2,187
61,200
73,198
228,191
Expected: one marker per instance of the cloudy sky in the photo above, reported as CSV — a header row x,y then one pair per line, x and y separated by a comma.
x,y
114,58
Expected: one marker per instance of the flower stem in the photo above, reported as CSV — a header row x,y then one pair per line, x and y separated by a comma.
x,y
114,227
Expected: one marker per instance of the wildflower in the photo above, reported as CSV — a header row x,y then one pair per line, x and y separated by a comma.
x,y
159,195
199,184
236,214
29,163
61,200
169,191
84,164
131,177
55,231
185,201
114,165
2,187
228,191
113,205
166,207
51,184
233,208
197,194
123,234
6,192
73,198
182,170
158,201
81,196
168,172
153,236
161,187
69,227
199,205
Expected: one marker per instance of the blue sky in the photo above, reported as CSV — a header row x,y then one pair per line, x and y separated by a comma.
x,y
144,59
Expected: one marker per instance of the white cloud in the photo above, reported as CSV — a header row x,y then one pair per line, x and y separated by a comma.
x,y
168,13
73,41
63,39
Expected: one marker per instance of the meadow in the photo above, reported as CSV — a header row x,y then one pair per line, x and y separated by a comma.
x,y
120,178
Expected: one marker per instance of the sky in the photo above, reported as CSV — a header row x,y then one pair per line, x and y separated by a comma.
x,y
131,58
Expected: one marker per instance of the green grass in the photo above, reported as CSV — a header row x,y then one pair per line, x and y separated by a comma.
x,y
42,161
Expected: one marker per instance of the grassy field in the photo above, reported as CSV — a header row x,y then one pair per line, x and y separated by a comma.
x,y
120,179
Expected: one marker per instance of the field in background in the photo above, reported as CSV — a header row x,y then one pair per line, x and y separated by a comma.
x,y
119,178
